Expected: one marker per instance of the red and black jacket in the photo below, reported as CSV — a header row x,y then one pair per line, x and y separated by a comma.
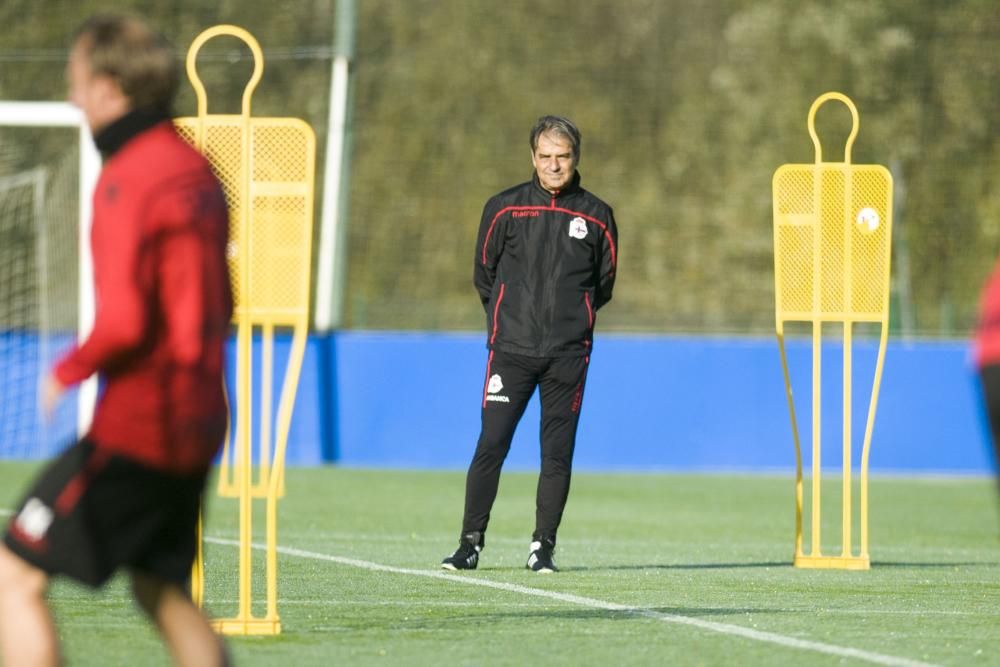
x,y
158,239
545,263
987,343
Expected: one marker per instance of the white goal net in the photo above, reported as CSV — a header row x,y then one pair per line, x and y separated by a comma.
x,y
47,168
37,310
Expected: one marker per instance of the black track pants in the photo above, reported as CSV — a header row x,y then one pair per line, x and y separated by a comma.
x,y
510,381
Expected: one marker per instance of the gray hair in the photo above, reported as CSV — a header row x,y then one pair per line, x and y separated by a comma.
x,y
561,126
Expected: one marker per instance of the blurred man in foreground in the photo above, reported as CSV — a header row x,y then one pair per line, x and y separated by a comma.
x,y
126,497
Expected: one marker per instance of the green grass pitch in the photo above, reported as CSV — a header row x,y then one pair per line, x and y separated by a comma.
x,y
657,569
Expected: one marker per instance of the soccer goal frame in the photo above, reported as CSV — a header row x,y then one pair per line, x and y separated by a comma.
x,y
65,115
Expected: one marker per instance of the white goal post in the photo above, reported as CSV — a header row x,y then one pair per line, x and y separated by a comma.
x,y
65,115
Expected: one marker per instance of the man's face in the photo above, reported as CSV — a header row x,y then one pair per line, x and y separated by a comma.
x,y
554,162
98,96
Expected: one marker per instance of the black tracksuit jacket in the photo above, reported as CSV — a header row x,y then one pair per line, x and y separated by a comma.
x,y
544,265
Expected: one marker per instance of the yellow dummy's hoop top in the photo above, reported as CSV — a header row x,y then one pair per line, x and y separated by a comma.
x,y
826,97
267,168
832,226
192,68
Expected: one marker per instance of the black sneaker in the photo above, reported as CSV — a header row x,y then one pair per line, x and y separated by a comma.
x,y
540,558
466,557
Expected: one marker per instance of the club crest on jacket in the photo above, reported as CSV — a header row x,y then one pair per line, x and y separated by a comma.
x,y
578,228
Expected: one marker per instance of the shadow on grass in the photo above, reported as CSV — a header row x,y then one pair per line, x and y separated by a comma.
x,y
679,566
471,619
902,564
734,566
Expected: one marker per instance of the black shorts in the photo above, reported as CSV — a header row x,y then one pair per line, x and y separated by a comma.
x,y
91,513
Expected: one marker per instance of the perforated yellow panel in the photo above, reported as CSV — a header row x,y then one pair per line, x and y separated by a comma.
x,y
270,196
832,226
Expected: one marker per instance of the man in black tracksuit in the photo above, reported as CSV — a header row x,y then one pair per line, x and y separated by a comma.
x,y
546,259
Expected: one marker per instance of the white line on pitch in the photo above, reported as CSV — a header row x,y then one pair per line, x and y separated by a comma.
x,y
714,626
6,512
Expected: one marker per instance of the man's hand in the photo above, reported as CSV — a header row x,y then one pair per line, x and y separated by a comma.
x,y
52,391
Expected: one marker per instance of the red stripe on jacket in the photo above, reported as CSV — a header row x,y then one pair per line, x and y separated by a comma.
x,y
987,342
602,225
